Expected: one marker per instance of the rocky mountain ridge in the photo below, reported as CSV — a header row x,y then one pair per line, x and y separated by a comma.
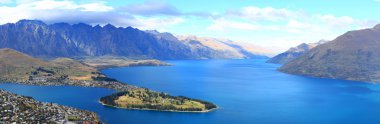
x,y
42,40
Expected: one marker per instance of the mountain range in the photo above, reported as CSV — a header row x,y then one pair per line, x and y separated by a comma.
x,y
223,48
42,40
354,55
294,52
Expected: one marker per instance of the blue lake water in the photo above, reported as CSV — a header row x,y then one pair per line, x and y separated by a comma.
x,y
247,91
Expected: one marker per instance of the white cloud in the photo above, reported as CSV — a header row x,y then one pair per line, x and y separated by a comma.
x,y
244,24
152,8
267,13
158,23
283,18
98,12
292,27
40,10
5,1
224,25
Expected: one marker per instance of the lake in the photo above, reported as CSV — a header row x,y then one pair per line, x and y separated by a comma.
x,y
247,91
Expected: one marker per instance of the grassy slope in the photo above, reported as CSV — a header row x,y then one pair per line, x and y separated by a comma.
x,y
16,66
147,99
137,97
113,61
75,69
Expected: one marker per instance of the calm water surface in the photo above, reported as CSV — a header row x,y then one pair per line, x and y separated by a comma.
x,y
247,91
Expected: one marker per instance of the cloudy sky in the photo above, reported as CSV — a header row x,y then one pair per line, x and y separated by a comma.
x,y
269,23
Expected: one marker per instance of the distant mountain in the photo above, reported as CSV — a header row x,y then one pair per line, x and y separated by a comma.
x,y
221,48
41,40
294,52
354,55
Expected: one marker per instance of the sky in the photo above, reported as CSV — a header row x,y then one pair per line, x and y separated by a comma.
x,y
275,24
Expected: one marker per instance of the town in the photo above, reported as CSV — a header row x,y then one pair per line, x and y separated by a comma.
x,y
21,109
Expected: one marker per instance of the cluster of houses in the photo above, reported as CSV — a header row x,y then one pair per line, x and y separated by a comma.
x,y
21,109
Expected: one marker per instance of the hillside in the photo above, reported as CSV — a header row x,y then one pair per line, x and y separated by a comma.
x,y
294,53
354,55
41,40
16,66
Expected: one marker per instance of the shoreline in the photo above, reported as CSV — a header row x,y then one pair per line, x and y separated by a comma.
x,y
145,109
116,86
102,65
